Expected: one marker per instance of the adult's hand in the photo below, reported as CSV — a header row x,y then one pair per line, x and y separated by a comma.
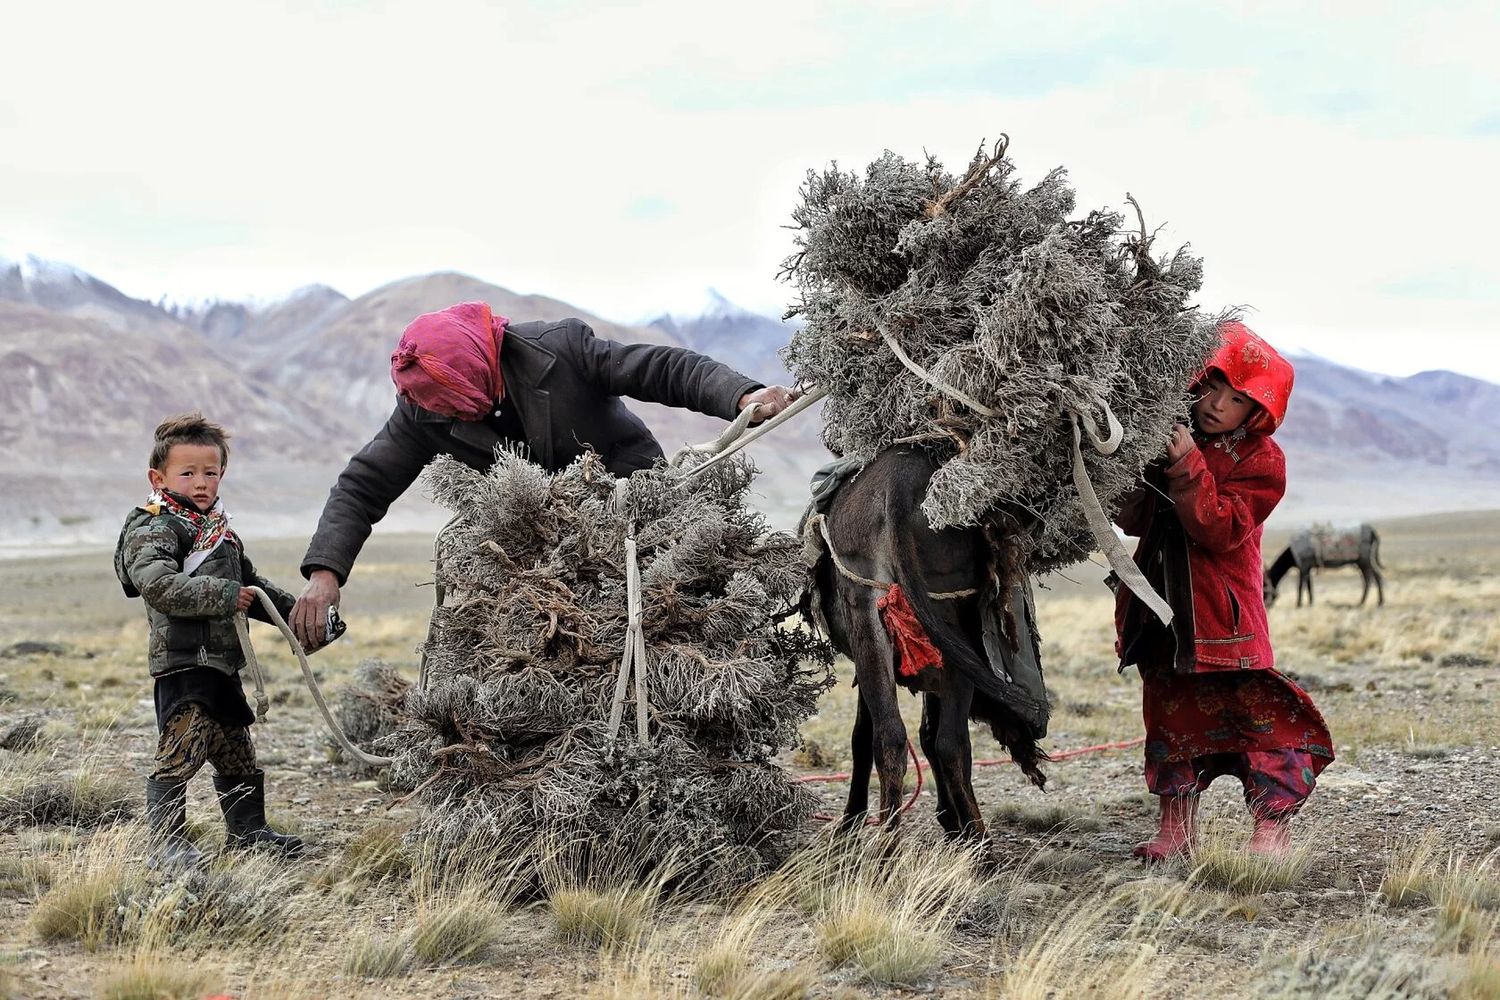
x,y
310,613
772,399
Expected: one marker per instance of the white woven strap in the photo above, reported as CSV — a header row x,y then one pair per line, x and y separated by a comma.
x,y
633,652
1104,533
933,380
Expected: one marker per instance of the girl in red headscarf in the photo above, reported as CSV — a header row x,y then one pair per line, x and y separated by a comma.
x,y
1213,701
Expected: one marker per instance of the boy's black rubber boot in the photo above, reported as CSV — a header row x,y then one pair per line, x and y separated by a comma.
x,y
243,799
166,811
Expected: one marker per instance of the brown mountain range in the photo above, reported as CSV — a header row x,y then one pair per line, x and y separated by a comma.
x,y
86,372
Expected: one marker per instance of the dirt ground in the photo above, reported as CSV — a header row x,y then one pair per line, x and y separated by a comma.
x,y
1409,690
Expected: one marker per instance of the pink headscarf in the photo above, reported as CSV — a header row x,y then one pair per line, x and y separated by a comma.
x,y
449,361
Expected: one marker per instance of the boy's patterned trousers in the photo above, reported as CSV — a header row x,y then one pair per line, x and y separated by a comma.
x,y
191,738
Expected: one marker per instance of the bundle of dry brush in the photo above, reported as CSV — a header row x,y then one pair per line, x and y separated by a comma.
x,y
1006,299
510,740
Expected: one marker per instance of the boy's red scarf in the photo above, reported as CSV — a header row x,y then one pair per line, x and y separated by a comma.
x,y
209,528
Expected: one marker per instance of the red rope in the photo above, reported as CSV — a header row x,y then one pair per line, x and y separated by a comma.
x,y
917,762
871,820
1076,752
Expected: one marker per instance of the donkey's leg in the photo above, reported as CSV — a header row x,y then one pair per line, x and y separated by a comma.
x,y
932,713
1379,586
874,665
863,752
1301,586
1364,577
956,753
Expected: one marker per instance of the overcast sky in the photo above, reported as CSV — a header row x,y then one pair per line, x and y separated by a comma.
x,y
1334,163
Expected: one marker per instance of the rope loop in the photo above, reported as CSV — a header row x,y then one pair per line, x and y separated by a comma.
x,y
242,628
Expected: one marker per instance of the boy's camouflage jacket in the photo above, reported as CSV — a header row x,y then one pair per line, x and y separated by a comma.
x,y
191,615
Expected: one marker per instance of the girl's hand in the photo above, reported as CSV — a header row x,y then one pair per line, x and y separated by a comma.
x,y
1181,445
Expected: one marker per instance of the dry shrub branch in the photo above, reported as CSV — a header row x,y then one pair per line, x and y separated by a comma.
x,y
509,740
1013,301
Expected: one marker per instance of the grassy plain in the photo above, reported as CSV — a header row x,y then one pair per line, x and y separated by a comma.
x,y
1395,890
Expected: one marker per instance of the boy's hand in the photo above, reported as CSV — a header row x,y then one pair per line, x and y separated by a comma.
x,y
1181,445
310,613
244,599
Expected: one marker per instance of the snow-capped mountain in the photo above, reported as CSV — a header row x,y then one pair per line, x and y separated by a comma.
x,y
63,288
740,338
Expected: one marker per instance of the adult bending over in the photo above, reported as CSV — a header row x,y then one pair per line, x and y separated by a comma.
x,y
467,382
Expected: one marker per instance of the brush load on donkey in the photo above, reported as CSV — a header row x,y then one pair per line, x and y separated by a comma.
x,y
972,336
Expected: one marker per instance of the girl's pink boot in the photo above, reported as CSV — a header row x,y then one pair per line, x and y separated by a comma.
x,y
1178,830
1272,837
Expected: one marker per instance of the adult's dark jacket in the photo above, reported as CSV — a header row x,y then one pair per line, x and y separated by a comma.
x,y
565,384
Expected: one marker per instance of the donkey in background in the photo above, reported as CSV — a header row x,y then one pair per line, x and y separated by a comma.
x,y
1332,546
875,539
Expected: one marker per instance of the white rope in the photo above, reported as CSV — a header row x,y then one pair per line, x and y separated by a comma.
x,y
732,441
724,440
633,653
1109,543
242,627
822,524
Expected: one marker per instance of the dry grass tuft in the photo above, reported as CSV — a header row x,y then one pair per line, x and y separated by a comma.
x,y
1461,927
32,795
1408,873
756,926
1479,978
1117,946
149,976
476,866
377,852
90,900
377,956
1044,817
24,875
461,930
793,983
1377,974
608,917
634,973
891,912
1419,874
604,893
1222,862
238,900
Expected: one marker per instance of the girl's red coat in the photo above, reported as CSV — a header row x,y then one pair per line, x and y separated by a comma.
x,y
1221,492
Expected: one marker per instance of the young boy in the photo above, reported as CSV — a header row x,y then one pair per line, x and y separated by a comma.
x,y
178,552
1212,701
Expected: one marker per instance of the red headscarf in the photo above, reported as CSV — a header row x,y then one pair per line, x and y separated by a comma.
x,y
449,361
1252,366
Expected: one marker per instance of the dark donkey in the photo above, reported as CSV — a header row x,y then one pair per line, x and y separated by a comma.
x,y
1333,546
879,536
